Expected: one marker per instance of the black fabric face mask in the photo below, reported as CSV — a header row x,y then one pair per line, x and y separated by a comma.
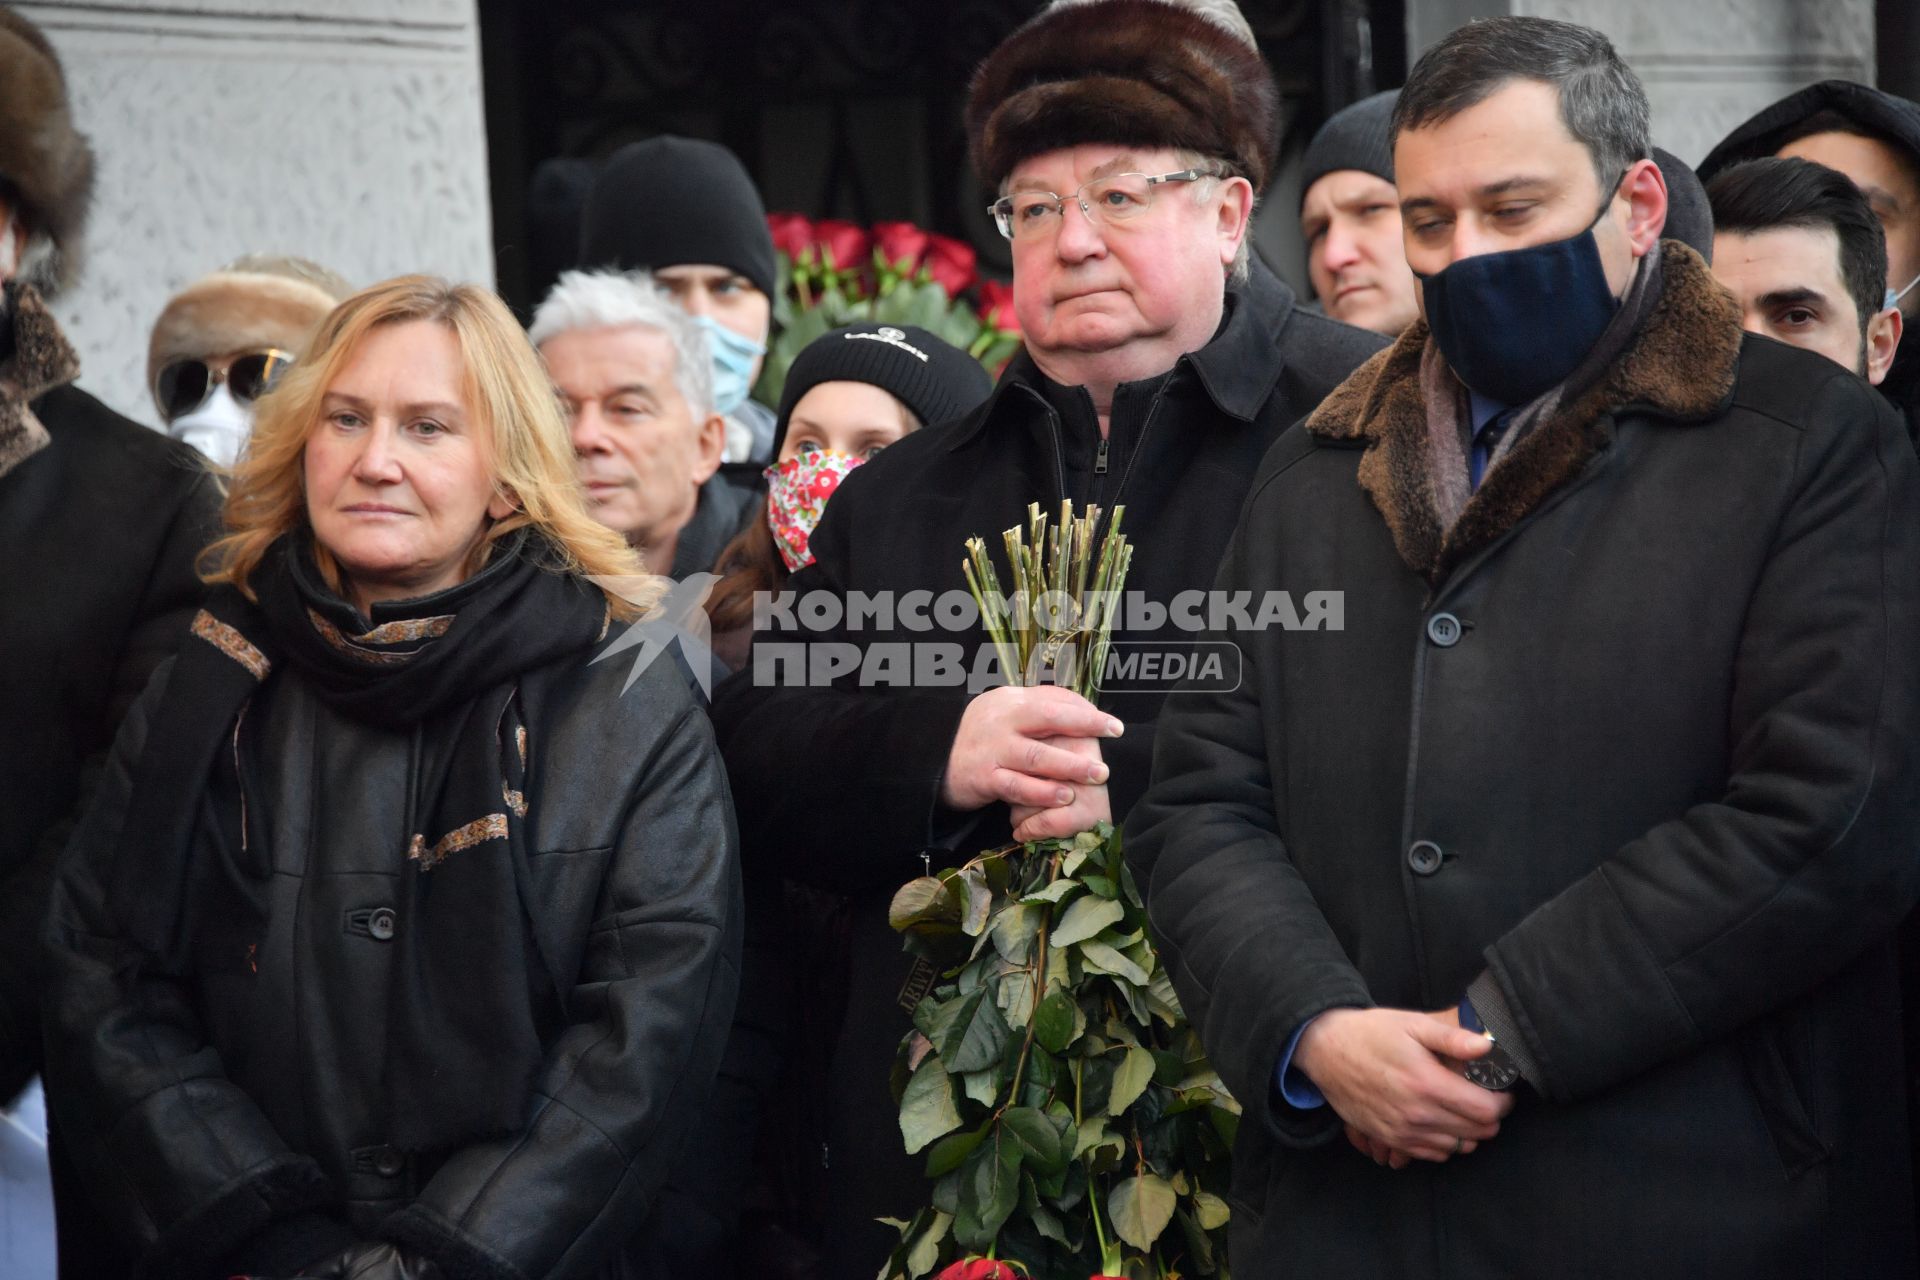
x,y
1514,324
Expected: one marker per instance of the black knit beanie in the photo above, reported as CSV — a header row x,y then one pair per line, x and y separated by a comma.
x,y
1354,137
1689,216
935,379
669,201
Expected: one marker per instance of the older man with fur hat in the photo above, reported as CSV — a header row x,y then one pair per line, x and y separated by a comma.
x,y
100,519
1126,141
224,340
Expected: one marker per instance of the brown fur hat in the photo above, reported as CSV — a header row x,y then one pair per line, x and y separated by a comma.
x,y
249,305
42,156
1145,73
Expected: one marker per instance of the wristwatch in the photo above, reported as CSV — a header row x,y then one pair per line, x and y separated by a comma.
x,y
1495,1068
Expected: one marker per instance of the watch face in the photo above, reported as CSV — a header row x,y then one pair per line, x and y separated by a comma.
x,y
1493,1071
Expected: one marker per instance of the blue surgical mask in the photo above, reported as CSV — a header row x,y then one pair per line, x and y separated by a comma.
x,y
1514,324
733,358
1893,296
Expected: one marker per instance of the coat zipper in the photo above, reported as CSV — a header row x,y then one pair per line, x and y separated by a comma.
x,y
1140,444
1100,457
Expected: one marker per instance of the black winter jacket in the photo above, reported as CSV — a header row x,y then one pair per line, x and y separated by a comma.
x,y
203,1113
1631,749
840,785
100,529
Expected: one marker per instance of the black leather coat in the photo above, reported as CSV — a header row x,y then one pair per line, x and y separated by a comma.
x,y
203,1113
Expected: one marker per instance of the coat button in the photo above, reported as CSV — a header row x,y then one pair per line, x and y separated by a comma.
x,y
380,925
387,1162
1444,630
1424,857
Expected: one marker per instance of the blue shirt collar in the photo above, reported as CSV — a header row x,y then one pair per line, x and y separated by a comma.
x,y
1482,410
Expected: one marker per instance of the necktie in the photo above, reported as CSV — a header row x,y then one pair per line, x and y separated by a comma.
x,y
1485,441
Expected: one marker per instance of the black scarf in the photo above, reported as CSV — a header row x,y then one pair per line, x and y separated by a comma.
x,y
472,989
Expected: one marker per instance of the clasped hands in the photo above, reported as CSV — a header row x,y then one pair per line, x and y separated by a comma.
x,y
1394,1076
1036,750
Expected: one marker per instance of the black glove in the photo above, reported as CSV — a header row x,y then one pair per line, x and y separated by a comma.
x,y
376,1260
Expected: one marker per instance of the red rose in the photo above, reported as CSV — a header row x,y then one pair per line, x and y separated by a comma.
x,y
843,246
978,1269
902,244
792,233
951,264
996,306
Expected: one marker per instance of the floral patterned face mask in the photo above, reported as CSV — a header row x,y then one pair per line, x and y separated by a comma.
x,y
797,492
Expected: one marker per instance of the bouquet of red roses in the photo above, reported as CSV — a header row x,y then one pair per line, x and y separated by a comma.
x,y
835,273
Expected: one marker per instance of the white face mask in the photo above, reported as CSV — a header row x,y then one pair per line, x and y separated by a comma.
x,y
218,428
1893,298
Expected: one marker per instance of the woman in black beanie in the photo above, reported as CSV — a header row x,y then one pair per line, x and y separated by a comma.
x,y
849,394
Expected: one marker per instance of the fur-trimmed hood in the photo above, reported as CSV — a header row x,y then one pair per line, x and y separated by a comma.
x,y
1144,73
1679,367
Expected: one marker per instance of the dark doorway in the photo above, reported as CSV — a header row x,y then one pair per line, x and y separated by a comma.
x,y
839,108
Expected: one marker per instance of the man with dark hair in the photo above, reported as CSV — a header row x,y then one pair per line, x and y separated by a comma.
x,y
1800,248
1350,219
1874,138
1561,885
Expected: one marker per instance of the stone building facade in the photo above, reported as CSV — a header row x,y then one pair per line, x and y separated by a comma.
x,y
350,132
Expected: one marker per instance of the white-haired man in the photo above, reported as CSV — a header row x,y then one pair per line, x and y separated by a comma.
x,y
634,373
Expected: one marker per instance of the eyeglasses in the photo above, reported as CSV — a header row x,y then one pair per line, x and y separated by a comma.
x,y
184,385
1119,198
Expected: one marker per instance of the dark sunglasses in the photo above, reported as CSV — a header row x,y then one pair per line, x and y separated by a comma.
x,y
184,385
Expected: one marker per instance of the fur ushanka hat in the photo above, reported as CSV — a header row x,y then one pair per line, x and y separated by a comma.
x,y
256,302
43,158
1144,73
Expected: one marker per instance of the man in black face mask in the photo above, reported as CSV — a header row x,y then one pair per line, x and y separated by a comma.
x,y
1541,920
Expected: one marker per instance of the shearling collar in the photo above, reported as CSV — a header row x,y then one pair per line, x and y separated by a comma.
x,y
41,360
1680,367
